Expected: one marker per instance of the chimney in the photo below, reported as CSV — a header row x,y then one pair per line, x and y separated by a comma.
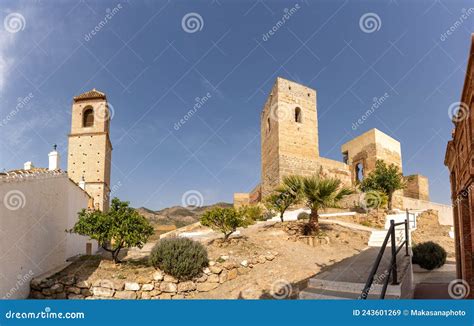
x,y
28,165
53,159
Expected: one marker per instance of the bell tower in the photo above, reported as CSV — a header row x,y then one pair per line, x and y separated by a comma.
x,y
90,149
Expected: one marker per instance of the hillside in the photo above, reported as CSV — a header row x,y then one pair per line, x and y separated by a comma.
x,y
176,215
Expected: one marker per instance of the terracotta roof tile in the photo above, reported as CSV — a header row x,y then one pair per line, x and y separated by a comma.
x,y
92,94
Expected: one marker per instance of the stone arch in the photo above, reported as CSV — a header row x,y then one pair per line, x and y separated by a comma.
x,y
88,117
298,115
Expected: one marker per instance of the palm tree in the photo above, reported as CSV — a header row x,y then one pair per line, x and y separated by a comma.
x,y
285,195
321,193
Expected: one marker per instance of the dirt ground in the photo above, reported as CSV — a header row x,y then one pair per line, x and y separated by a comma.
x,y
294,260
429,229
295,263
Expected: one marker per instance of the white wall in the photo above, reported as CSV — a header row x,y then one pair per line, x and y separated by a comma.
x,y
445,212
35,211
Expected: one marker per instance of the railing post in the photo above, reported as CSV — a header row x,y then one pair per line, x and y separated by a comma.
x,y
407,234
394,252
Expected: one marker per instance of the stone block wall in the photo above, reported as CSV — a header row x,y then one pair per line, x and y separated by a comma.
x,y
417,187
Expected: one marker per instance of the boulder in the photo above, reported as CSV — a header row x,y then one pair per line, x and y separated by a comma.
x,y
215,269
74,290
158,276
102,292
35,284
202,278
213,278
56,288
147,287
168,287
233,273
68,280
204,287
83,284
132,286
169,278
244,263
223,276
206,271
128,295
186,286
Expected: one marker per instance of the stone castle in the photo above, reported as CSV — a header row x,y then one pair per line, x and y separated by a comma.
x,y
290,145
90,149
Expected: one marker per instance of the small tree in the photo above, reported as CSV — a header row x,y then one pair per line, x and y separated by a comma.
x,y
321,193
225,220
285,195
121,227
386,178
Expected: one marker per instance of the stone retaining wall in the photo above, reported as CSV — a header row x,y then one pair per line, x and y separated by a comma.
x,y
158,286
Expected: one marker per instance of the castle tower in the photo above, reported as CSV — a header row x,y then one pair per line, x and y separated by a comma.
x,y
89,151
289,132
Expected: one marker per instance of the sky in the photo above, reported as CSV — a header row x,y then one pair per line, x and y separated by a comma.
x,y
156,59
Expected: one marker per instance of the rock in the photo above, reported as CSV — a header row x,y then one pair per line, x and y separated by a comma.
x,y
73,296
56,288
83,284
47,291
186,286
74,290
147,287
206,271
202,278
109,284
213,278
215,269
86,292
233,273
125,295
132,286
244,263
165,296
61,296
262,259
242,271
68,280
47,283
223,276
36,295
151,294
145,295
269,257
102,292
158,276
169,278
229,264
35,284
224,257
168,287
177,297
204,287
212,263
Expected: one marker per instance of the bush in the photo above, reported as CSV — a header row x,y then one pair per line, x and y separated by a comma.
x,y
225,220
303,216
252,212
182,258
429,255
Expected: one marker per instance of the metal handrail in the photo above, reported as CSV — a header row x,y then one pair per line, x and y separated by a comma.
x,y
392,271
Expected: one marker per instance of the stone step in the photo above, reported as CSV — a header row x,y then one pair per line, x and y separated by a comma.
x,y
351,287
320,294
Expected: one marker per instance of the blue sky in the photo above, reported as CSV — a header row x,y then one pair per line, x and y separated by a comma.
x,y
152,71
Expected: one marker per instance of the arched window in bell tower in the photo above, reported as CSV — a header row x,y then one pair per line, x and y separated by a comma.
x,y
298,117
88,117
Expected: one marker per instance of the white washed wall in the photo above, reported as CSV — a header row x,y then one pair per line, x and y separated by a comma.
x,y
35,211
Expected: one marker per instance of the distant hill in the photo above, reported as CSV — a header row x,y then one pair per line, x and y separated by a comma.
x,y
176,215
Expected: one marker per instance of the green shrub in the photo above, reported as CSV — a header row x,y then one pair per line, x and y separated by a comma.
x,y
303,216
252,212
225,220
429,255
182,258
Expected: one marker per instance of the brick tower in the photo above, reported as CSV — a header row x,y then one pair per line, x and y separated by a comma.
x,y
89,151
289,132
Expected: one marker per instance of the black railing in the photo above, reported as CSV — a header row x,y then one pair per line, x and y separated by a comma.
x,y
393,268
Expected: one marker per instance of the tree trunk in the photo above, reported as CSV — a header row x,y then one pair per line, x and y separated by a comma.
x,y
115,255
226,236
390,201
281,216
314,219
